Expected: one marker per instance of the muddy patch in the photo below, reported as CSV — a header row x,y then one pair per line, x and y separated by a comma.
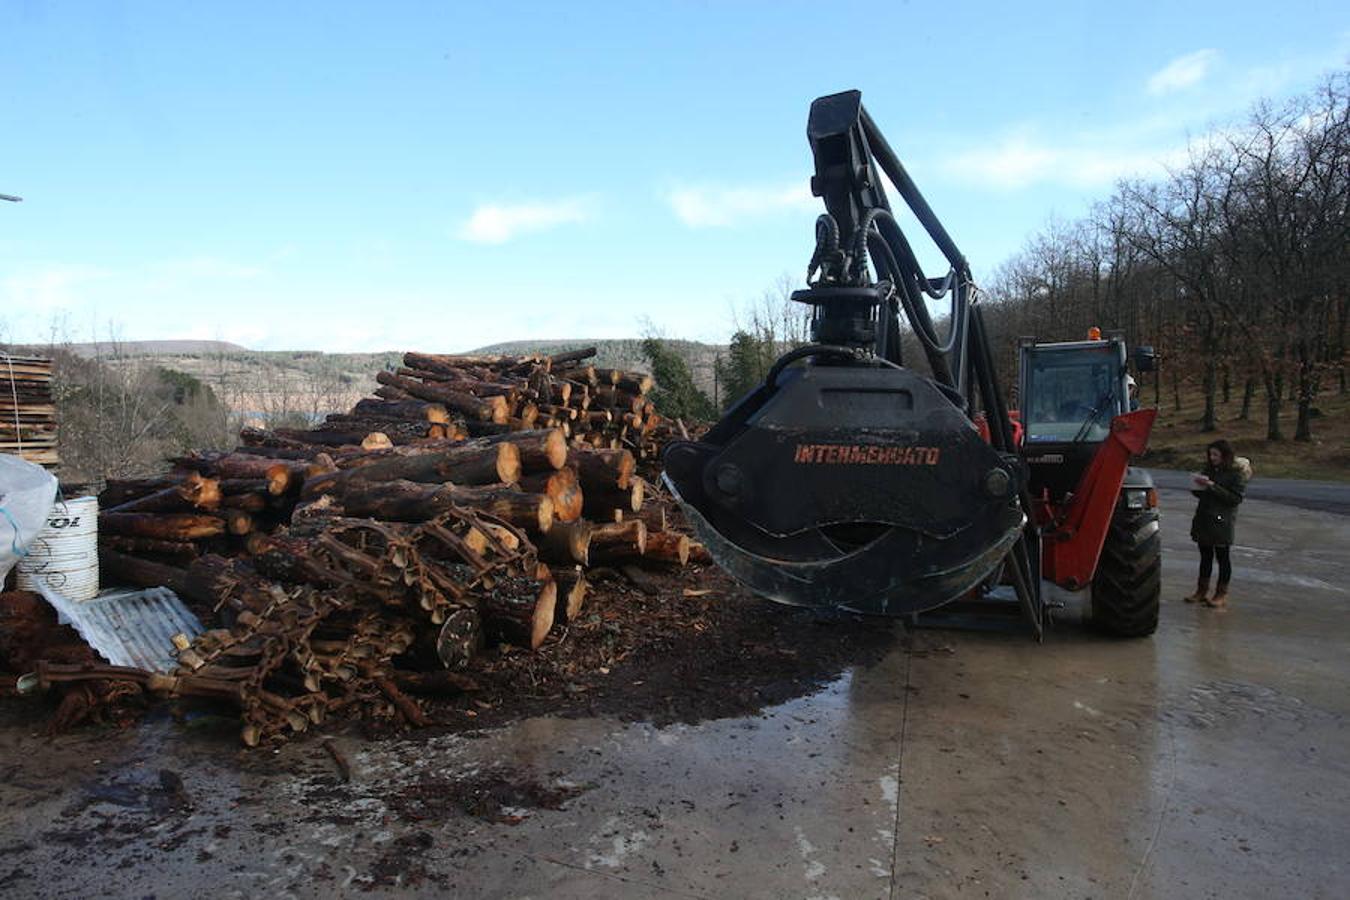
x,y
502,795
404,864
663,656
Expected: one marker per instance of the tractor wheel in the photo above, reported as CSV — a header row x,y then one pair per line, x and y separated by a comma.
x,y
1127,587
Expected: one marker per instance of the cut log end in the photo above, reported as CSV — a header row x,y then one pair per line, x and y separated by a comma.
x,y
508,463
555,448
376,440
668,547
278,479
544,611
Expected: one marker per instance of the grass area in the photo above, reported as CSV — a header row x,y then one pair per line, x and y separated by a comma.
x,y
1178,443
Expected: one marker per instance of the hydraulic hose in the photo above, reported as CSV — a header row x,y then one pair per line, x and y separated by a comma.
x,y
802,352
827,244
911,297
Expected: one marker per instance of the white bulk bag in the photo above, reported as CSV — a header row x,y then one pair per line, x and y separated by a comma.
x,y
27,493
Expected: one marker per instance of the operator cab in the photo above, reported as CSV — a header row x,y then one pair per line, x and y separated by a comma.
x,y
1070,392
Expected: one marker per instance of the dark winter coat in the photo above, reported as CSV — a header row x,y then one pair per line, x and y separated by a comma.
x,y
1216,513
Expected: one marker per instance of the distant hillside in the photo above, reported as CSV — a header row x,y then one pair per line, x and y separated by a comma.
x,y
155,348
304,385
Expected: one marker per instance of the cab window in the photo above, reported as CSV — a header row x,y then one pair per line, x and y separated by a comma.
x,y
1067,388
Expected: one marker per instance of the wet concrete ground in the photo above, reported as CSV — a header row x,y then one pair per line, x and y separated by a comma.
x,y
1210,761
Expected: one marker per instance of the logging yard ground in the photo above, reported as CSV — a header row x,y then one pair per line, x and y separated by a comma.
x,y
718,746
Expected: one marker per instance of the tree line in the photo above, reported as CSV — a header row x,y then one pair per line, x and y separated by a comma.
x,y
1234,265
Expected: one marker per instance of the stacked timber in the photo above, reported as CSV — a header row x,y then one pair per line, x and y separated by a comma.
x,y
436,396
417,528
27,413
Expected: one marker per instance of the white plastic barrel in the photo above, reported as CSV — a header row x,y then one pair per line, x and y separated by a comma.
x,y
65,552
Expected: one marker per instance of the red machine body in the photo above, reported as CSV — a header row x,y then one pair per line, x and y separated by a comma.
x,y
1073,533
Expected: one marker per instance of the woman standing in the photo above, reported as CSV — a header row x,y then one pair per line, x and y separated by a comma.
x,y
1220,488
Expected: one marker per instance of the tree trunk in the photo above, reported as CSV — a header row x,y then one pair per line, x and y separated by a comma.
x,y
120,490
1303,424
532,512
406,501
541,450
600,503
140,546
519,611
654,514
1207,420
667,547
340,429
562,488
572,590
254,502
566,543
618,541
488,409
461,463
121,569
1307,390
281,475
1274,393
1248,391
237,521
402,410
392,394
463,382
572,356
603,469
172,527
191,493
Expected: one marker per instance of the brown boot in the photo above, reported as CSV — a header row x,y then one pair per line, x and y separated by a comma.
x,y
1201,594
1220,599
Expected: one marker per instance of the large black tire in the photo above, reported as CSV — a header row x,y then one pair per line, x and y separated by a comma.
x,y
1127,587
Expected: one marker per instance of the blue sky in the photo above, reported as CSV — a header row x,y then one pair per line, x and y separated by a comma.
x,y
363,176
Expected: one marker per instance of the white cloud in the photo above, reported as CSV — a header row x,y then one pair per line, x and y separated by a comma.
x,y
48,287
1182,72
1022,159
497,223
53,286
711,207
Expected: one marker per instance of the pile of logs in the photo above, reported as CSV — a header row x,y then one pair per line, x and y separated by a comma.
x,y
312,622
27,414
382,550
435,396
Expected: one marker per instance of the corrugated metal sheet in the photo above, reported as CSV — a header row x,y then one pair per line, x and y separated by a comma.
x,y
130,628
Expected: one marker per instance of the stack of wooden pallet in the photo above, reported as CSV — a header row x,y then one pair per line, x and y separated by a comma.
x,y
27,414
